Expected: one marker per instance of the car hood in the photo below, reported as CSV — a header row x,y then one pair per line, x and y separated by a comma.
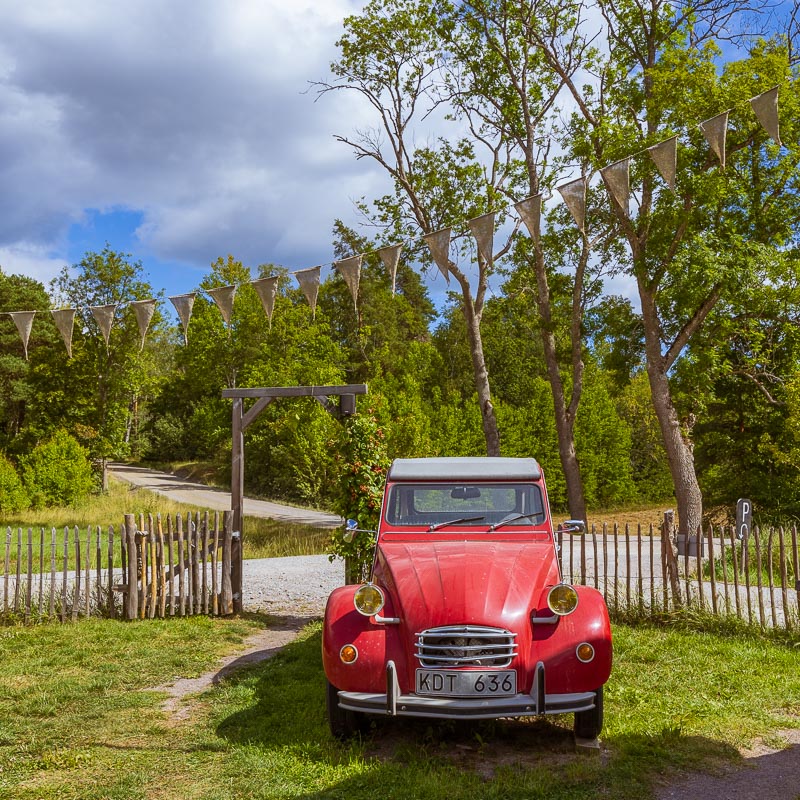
x,y
455,582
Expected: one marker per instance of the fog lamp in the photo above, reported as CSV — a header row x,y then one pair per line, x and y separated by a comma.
x,y
562,599
368,599
348,654
584,652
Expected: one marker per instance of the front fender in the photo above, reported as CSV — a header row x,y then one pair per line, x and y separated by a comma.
x,y
555,644
376,643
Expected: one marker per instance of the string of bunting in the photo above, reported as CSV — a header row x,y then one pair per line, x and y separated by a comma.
x,y
615,176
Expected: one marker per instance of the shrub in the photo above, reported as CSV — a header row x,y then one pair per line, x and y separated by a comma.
x,y
57,472
13,496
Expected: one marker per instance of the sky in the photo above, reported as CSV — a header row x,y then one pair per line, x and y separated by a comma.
x,y
175,131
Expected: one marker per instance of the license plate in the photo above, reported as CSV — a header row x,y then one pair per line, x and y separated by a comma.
x,y
467,683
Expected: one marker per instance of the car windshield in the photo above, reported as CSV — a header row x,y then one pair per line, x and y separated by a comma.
x,y
434,505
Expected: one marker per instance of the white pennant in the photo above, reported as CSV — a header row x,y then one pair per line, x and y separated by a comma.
x,y
144,310
391,258
716,130
223,297
104,316
183,305
574,194
483,230
765,106
439,245
665,157
350,270
65,320
530,212
618,182
309,283
24,322
267,289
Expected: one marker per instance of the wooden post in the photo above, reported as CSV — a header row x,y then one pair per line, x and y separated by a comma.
x,y
7,565
131,607
162,585
41,571
787,617
237,496
171,567
627,567
605,562
699,566
723,561
52,609
30,576
181,568
616,567
770,573
19,570
226,600
204,565
669,556
76,598
87,589
65,563
735,564
713,568
214,558
112,611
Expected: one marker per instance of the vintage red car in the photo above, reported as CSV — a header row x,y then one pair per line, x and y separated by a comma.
x,y
466,615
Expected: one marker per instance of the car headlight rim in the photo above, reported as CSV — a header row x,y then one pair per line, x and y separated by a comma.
x,y
369,599
562,599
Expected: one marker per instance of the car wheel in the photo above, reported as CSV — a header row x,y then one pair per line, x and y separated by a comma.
x,y
588,724
344,724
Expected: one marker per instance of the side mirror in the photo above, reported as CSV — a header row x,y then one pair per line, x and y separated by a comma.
x,y
573,526
350,528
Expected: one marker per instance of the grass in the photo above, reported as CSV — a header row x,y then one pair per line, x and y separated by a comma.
x,y
79,718
264,538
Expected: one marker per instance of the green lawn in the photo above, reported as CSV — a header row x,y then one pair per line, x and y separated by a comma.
x,y
76,721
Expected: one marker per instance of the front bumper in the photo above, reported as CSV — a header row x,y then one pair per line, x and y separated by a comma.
x,y
395,704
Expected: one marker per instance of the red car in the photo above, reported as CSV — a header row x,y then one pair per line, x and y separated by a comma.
x,y
466,615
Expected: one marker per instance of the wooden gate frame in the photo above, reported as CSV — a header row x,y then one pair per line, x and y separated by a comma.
x,y
241,420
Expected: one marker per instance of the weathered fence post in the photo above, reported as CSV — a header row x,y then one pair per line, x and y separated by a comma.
x,y
226,599
131,606
669,556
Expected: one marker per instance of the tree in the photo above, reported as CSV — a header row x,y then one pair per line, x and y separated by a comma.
x,y
101,387
388,55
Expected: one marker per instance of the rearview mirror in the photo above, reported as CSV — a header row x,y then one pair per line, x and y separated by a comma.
x,y
465,493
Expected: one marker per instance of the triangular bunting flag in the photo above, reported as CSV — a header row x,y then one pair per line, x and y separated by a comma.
x,y
483,230
24,321
665,157
144,310
530,212
65,320
439,245
104,316
391,258
618,182
765,107
267,289
350,269
309,283
716,130
223,296
183,305
574,194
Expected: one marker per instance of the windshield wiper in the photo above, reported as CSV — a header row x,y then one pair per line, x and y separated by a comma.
x,y
453,522
515,519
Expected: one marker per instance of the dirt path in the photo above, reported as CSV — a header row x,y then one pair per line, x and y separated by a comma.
x,y
197,494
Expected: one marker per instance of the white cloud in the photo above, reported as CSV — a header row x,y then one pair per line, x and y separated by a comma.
x,y
195,112
31,261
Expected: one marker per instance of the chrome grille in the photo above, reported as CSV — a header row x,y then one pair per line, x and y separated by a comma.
x,y
466,646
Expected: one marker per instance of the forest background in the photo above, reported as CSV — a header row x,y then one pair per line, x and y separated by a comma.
x,y
530,356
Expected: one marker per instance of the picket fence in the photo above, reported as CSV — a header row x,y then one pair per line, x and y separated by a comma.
x,y
148,567
647,571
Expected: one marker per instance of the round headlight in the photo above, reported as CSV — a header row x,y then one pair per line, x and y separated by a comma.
x,y
369,599
562,599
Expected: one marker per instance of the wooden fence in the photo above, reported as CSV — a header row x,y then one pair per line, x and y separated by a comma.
x,y
648,571
146,568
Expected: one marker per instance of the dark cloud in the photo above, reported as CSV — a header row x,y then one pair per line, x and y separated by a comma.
x,y
196,113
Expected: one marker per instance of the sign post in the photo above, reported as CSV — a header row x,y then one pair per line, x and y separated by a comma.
x,y
744,518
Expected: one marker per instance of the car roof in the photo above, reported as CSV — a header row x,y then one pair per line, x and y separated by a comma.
x,y
464,469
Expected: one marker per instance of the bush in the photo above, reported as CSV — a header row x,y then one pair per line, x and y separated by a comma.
x,y
57,472
13,496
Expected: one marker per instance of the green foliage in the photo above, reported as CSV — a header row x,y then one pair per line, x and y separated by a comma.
x,y
13,496
362,462
57,471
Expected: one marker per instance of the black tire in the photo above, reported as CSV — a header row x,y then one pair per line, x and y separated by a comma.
x,y
343,724
588,724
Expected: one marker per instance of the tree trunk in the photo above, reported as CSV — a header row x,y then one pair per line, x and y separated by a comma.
x,y
678,448
490,431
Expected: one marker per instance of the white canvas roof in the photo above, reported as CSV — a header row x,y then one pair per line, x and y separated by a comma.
x,y
464,469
